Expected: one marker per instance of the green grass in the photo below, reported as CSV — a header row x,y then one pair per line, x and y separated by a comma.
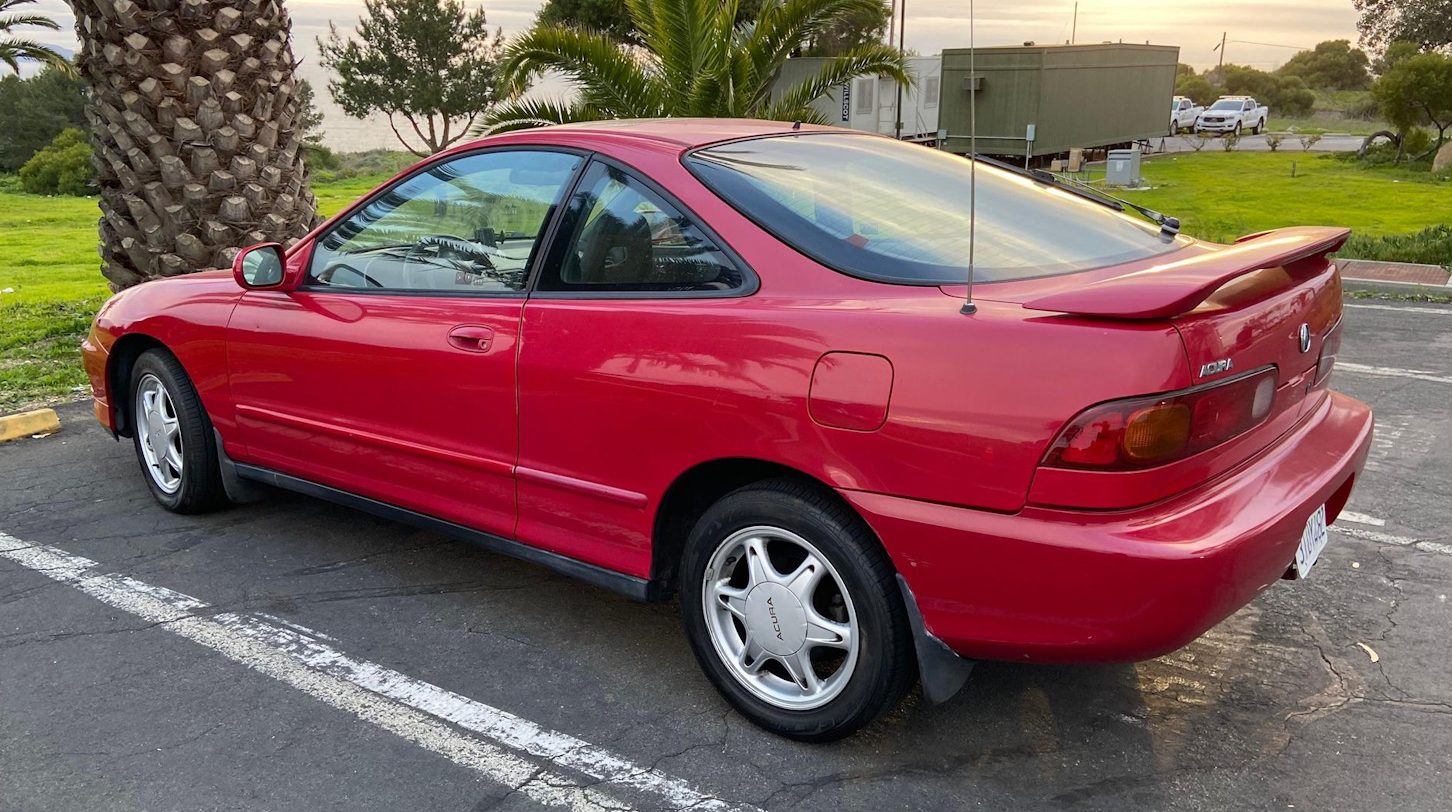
x,y
50,265
1220,196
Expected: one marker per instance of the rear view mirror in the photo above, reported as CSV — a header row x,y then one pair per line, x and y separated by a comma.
x,y
259,266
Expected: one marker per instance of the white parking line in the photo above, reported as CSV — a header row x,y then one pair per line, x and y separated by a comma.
x,y
408,707
1391,372
1435,311
1396,541
1360,518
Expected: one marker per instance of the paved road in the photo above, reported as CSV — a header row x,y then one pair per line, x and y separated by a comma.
x,y
291,655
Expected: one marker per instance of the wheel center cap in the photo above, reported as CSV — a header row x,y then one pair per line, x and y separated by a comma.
x,y
775,618
156,434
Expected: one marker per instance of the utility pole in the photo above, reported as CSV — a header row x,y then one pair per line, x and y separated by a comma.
x,y
1220,69
901,34
892,23
1074,31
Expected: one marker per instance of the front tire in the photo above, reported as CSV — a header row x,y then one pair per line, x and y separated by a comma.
x,y
173,436
793,611
1238,128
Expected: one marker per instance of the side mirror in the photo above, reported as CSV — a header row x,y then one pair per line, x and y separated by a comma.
x,y
259,266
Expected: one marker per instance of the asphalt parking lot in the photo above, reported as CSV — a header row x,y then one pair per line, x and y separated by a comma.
x,y
293,655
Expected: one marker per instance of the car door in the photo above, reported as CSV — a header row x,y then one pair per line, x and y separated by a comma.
x,y
389,371
628,335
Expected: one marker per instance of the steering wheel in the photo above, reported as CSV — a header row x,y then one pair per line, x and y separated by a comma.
x,y
448,254
326,277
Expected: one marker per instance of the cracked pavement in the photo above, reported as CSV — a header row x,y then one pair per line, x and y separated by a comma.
x,y
1279,706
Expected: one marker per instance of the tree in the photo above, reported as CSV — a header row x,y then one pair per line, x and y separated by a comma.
x,y
192,125
695,60
865,27
13,48
309,117
1331,65
36,110
611,18
427,62
1395,53
1285,95
1196,88
1428,23
608,17
1418,90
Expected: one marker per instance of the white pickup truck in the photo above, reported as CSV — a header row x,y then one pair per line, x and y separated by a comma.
x,y
1183,114
1232,114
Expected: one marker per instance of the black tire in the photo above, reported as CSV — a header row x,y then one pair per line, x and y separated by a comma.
x,y
885,666
1238,129
200,486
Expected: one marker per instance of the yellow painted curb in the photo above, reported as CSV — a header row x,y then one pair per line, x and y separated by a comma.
x,y
40,421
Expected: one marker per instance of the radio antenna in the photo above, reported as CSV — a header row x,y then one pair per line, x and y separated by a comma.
x,y
968,307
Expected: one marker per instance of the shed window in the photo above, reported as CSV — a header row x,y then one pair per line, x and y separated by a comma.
x,y
866,102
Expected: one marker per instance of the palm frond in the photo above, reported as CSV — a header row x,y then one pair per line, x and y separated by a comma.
x,y
11,21
867,60
14,50
610,77
784,25
522,114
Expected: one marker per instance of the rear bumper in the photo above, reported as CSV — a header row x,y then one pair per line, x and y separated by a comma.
x,y
1047,585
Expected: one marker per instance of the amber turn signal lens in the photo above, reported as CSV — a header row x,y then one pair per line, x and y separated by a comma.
x,y
1159,431
1144,432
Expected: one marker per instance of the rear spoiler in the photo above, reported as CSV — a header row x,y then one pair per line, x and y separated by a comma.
x,y
1163,291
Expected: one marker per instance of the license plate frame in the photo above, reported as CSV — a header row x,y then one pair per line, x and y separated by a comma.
x,y
1313,540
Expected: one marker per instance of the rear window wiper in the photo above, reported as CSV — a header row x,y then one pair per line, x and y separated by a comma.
x,y
1170,226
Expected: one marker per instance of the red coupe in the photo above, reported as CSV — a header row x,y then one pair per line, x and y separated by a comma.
x,y
732,360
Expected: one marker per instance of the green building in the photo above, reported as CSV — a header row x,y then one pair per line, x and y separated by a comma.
x,y
1046,99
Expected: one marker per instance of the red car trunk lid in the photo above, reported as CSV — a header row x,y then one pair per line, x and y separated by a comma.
x,y
1269,300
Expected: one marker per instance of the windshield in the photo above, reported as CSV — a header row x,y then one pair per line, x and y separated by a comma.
x,y
1228,104
898,212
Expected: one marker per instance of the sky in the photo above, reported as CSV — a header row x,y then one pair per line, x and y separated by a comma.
x,y
1261,33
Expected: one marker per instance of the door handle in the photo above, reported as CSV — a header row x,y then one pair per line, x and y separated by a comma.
x,y
472,337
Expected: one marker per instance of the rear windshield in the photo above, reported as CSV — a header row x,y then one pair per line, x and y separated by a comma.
x,y
896,212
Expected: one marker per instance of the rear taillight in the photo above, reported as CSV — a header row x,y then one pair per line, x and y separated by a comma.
x,y
1135,433
1327,362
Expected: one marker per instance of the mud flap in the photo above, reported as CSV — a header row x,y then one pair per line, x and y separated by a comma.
x,y
941,671
240,491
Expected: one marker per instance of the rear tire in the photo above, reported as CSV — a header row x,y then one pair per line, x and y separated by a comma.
x,y
793,611
173,436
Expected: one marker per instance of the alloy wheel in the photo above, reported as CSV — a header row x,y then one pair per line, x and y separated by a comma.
x,y
159,430
780,618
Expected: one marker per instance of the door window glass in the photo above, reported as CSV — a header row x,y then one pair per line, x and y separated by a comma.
x,y
471,224
625,237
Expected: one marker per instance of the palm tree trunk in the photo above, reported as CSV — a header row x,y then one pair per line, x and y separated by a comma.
x,y
192,115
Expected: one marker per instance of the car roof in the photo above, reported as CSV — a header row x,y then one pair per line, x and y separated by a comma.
x,y
675,133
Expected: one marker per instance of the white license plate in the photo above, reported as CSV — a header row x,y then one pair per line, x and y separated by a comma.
x,y
1313,541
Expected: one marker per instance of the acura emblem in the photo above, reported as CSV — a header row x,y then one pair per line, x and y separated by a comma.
x,y
1305,338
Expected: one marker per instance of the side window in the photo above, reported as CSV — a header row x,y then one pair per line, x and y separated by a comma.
x,y
621,236
931,87
471,224
865,95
